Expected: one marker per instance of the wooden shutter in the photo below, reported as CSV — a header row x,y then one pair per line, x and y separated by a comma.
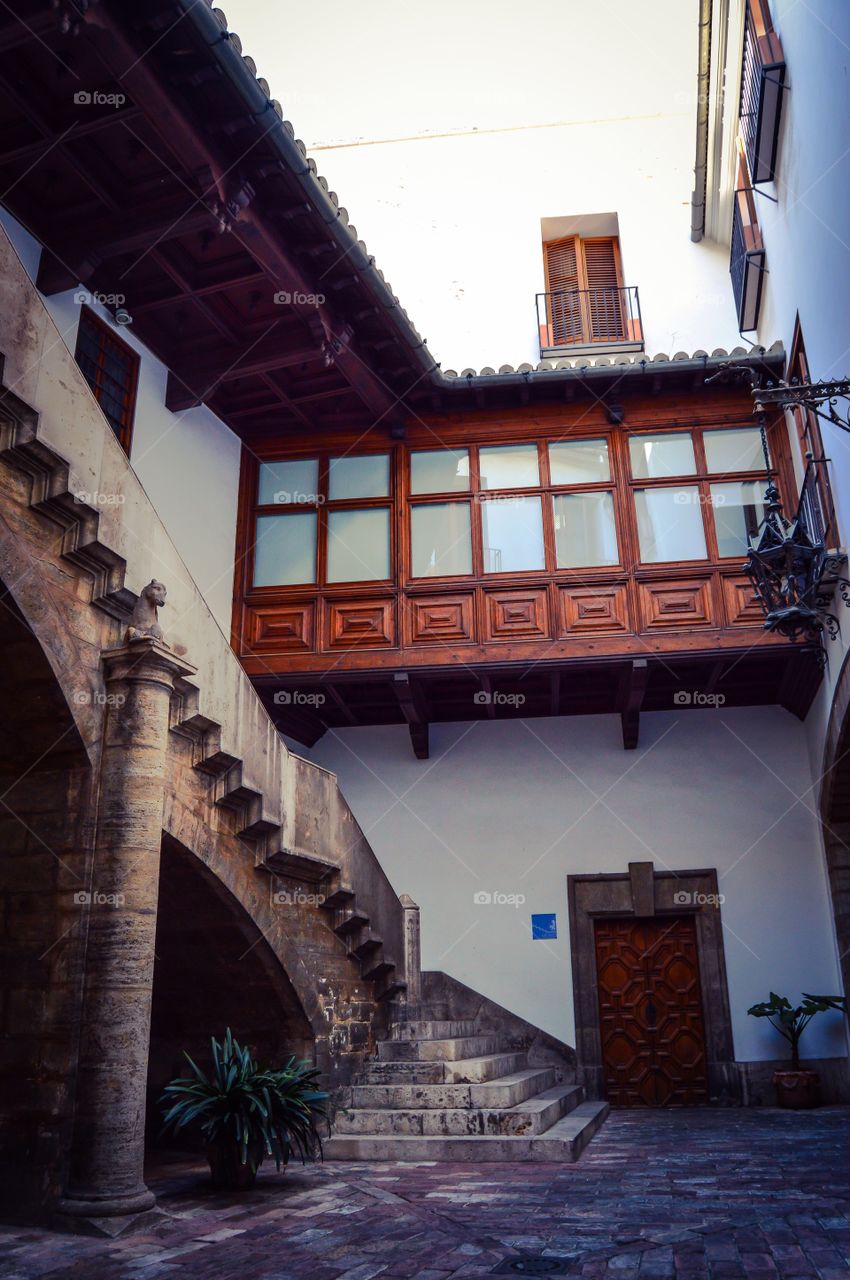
x,y
583,287
562,288
604,300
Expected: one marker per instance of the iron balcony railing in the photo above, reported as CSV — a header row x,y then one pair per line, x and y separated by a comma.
x,y
762,80
580,320
746,265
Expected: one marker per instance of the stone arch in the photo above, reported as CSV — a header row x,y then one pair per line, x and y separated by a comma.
x,y
45,865
233,865
213,969
835,813
46,604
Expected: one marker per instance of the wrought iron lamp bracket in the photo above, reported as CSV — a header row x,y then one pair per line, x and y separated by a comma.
x,y
793,572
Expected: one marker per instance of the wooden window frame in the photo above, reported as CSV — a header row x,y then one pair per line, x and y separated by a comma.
x,y
107,337
322,508
702,479
401,502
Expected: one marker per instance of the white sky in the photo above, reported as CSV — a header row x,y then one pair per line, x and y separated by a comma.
x,y
389,68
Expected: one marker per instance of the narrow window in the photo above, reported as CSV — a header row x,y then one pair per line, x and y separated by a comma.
x,y
111,369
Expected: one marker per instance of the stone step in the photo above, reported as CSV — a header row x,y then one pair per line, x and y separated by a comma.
x,y
564,1143
403,1073
422,1030
481,1069
442,1050
504,1092
573,1132
533,1116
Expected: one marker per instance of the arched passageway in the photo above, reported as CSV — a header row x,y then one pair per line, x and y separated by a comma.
x,y
213,969
45,780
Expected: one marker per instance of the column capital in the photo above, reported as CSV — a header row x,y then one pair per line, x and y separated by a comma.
x,y
146,660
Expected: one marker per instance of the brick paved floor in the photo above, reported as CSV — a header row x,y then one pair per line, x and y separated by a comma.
x,y
760,1194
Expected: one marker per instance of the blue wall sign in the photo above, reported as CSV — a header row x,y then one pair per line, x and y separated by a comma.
x,y
545,927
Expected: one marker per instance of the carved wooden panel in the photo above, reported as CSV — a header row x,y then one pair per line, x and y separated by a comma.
x,y
650,1013
522,615
742,607
439,618
594,610
289,627
360,624
667,605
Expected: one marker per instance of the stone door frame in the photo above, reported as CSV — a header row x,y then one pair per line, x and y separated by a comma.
x,y
644,892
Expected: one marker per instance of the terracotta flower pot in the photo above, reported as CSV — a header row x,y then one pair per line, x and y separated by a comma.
x,y
226,1167
798,1090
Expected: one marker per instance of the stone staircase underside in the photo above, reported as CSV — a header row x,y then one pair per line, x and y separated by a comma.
x,y
440,1090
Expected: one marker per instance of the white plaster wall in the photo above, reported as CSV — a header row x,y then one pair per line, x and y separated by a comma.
x,y
455,225
516,807
188,463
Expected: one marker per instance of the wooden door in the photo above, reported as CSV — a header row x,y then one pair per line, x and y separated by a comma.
x,y
650,1012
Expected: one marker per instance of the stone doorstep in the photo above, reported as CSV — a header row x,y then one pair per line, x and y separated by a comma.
x,y
506,1091
564,1141
439,1050
532,1116
431,1030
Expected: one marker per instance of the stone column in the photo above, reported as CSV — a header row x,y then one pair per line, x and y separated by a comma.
x,y
106,1166
412,951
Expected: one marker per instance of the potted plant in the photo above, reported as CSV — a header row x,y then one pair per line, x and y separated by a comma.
x,y
245,1112
796,1086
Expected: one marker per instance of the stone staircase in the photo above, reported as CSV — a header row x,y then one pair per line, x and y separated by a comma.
x,y
441,1090
256,806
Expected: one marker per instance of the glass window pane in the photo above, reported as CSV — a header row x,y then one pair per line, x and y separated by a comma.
x,y
439,470
669,455
738,512
512,529
441,539
296,481
585,533
285,550
670,524
367,476
579,461
358,545
509,466
738,450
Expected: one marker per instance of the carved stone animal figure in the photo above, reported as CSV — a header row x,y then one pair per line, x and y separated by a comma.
x,y
144,624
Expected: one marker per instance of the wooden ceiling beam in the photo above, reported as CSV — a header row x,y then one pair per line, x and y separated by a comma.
x,y
248,223
86,255
200,289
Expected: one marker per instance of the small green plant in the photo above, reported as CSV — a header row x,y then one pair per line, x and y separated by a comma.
x,y
788,1021
838,1003
245,1112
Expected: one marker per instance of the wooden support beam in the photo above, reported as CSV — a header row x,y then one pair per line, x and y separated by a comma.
x,y
800,681
633,684
415,712
555,691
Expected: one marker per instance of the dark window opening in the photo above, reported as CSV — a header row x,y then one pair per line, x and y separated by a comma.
x,y
111,369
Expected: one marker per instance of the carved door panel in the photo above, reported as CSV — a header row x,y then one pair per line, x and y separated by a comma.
x,y
650,1012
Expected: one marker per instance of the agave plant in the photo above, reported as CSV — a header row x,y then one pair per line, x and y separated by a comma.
x,y
247,1111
